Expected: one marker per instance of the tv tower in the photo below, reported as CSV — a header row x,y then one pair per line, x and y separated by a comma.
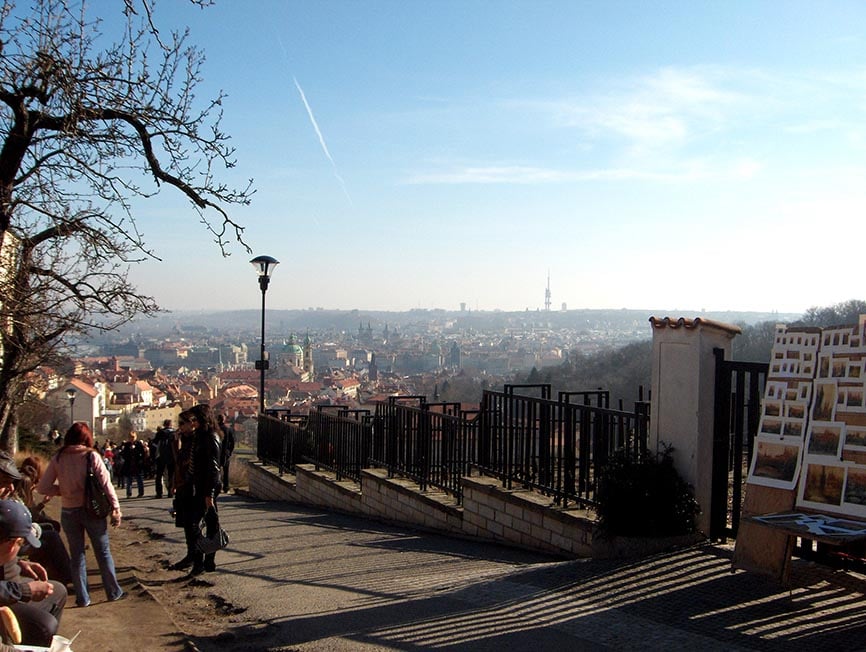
x,y
547,294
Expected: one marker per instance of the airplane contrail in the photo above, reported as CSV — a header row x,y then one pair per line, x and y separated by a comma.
x,y
322,140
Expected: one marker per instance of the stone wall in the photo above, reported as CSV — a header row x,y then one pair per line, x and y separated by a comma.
x,y
518,518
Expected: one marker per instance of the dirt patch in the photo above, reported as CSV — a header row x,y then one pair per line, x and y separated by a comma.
x,y
174,613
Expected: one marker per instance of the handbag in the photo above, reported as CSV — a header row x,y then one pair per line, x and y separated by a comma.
x,y
96,501
209,545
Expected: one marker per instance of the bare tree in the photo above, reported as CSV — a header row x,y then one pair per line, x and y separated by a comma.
x,y
87,125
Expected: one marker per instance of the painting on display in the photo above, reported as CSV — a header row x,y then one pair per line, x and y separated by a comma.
x,y
833,473
786,408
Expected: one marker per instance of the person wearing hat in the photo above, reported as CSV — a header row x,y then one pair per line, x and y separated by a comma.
x,y
9,475
36,601
52,554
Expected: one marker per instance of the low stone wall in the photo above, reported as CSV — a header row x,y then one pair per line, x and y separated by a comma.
x,y
525,519
266,483
514,517
399,501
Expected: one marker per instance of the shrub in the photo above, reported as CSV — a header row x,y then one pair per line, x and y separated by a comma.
x,y
644,497
27,441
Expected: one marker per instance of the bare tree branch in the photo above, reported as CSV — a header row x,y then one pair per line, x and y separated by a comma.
x,y
89,123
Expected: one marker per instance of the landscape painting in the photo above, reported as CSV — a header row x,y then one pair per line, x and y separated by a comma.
x,y
773,408
855,488
824,438
855,436
795,410
824,406
854,399
776,464
771,426
793,428
822,485
776,390
824,366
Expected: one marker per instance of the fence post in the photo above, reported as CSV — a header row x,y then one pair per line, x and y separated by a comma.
x,y
683,397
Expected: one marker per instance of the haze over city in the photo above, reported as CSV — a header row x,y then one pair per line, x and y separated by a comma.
x,y
644,155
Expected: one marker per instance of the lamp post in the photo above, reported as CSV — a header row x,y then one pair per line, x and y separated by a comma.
x,y
70,394
263,266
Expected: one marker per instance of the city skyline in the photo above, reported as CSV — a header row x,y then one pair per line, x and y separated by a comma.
x,y
424,155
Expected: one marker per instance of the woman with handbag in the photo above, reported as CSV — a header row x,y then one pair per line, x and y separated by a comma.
x,y
68,474
202,483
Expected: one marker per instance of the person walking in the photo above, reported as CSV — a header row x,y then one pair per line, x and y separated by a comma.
x,y
201,486
228,447
66,476
36,601
134,455
163,458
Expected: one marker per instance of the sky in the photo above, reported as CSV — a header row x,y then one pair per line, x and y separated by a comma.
x,y
408,154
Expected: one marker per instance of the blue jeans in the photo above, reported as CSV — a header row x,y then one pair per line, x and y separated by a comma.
x,y
139,479
75,522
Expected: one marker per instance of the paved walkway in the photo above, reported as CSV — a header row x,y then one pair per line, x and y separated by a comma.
x,y
295,578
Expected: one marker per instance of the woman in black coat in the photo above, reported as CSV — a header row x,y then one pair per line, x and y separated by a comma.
x,y
182,488
203,477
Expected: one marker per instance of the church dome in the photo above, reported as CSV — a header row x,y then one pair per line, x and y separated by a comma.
x,y
292,349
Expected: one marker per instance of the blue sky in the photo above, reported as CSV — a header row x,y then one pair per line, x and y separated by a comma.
x,y
659,155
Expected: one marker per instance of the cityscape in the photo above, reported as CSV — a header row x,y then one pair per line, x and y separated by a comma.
x,y
151,369
539,262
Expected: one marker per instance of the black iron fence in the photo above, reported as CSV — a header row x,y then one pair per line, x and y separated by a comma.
x,y
737,410
556,447
535,442
431,443
341,441
282,439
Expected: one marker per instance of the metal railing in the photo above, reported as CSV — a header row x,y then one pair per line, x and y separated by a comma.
x,y
282,440
552,446
556,447
432,443
341,441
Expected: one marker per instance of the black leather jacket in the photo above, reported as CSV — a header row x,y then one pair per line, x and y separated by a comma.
x,y
206,469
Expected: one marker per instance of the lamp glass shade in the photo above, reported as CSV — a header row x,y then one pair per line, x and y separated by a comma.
x,y
70,394
264,265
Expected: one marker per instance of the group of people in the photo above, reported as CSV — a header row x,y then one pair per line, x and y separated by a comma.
x,y
34,562
133,461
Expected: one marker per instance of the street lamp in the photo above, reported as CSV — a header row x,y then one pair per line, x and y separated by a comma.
x,y
263,266
70,394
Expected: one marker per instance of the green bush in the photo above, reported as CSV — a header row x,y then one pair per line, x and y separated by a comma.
x,y
644,497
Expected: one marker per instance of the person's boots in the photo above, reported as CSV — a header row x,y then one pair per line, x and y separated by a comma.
x,y
186,562
197,565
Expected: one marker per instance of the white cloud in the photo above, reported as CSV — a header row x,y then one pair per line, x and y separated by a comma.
x,y
534,175
665,109
686,171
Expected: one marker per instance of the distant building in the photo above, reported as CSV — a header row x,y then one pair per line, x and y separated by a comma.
x,y
365,335
454,356
88,405
162,357
147,420
297,360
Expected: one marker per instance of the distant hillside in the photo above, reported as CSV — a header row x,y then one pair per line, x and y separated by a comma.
x,y
349,320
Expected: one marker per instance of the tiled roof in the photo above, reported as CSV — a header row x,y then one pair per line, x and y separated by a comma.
x,y
682,322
